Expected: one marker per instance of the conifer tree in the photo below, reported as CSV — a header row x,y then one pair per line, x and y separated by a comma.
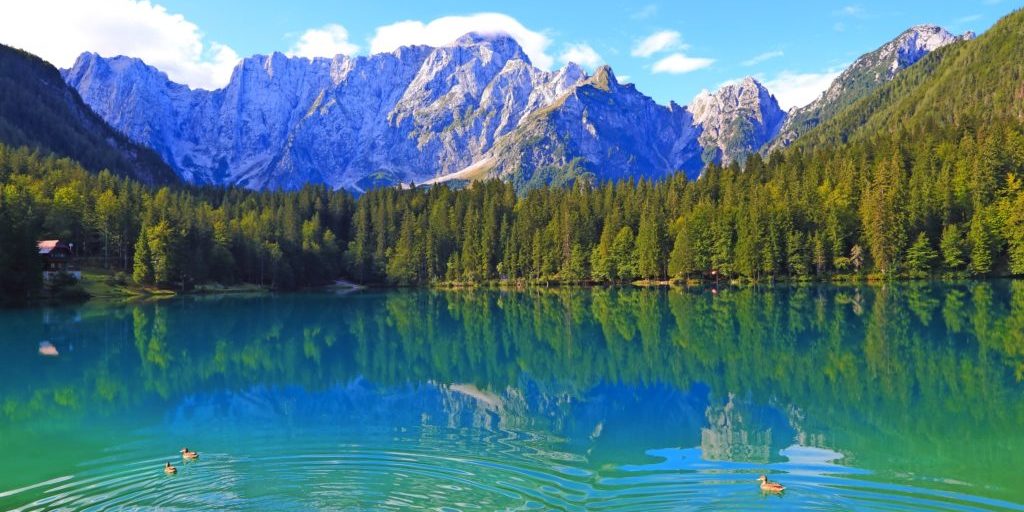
x,y
920,257
952,247
142,272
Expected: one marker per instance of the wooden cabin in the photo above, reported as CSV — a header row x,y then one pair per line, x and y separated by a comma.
x,y
57,258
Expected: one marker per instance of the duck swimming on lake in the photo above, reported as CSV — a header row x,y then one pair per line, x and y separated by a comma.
x,y
189,455
169,469
768,486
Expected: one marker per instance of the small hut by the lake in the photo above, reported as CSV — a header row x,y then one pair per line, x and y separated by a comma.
x,y
57,259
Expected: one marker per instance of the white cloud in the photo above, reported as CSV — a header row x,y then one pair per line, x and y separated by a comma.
x,y
645,12
60,30
327,41
855,11
442,31
757,59
658,42
677,64
799,89
623,79
581,54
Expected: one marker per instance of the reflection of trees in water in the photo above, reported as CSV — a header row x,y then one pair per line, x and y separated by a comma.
x,y
939,360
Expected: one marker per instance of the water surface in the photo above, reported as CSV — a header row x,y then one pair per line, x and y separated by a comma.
x,y
903,397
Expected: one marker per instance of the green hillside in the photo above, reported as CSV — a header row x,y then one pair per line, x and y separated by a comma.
x,y
963,87
40,111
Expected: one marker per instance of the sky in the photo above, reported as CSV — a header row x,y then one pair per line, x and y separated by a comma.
x,y
671,50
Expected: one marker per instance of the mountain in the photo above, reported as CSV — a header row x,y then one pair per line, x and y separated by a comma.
x,y
39,110
737,120
866,74
598,127
475,108
411,115
960,88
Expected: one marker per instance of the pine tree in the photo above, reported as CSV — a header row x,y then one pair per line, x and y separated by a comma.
x,y
980,240
680,263
648,246
142,271
856,257
796,255
601,260
163,252
404,259
576,270
358,254
820,256
1012,212
883,214
623,255
920,257
952,247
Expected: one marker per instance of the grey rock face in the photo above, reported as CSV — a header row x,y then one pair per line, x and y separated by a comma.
x,y
471,109
737,120
411,115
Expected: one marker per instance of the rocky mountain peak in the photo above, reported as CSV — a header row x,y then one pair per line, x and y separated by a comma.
x,y
604,79
746,93
916,42
737,119
867,73
501,44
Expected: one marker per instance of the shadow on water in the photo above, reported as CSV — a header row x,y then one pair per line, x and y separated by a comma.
x,y
905,395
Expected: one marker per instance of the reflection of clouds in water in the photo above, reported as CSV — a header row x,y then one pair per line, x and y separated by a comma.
x,y
810,455
798,460
47,349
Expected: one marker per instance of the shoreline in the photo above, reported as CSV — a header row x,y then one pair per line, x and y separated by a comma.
x,y
101,285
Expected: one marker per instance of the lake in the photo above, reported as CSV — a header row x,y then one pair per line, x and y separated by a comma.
x,y
903,396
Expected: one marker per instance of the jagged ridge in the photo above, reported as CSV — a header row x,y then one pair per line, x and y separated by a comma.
x,y
866,74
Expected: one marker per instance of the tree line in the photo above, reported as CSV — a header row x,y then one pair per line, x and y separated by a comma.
x,y
167,237
891,206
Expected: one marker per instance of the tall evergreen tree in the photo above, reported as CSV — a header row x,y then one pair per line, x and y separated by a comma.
x,y
142,271
952,247
921,256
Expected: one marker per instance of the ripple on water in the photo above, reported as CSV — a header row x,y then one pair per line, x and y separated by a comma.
x,y
417,475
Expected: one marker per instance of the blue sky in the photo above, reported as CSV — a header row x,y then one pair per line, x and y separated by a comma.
x,y
670,50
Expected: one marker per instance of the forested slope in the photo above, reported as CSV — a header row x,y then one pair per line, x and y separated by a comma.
x,y
37,109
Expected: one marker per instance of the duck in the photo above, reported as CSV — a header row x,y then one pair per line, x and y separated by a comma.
x,y
169,469
768,486
189,455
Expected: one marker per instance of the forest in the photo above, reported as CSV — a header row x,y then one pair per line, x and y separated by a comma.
x,y
921,178
888,207
167,237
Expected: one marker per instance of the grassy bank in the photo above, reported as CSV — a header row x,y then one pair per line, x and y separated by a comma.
x,y
99,283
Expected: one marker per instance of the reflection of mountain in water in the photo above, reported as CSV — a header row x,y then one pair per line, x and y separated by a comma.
x,y
608,423
739,431
605,371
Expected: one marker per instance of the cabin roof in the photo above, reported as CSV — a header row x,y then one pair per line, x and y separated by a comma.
x,y
47,246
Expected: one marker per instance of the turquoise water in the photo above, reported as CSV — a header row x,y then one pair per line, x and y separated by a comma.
x,y
903,397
